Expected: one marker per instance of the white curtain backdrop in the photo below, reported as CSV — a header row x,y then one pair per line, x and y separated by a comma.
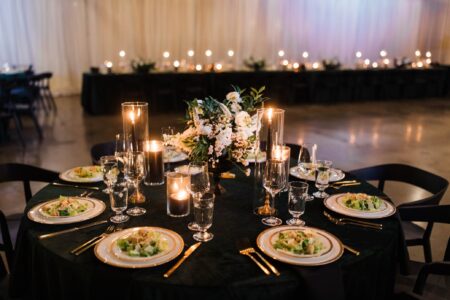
x,y
68,36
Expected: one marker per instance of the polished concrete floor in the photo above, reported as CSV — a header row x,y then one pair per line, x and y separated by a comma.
x,y
351,135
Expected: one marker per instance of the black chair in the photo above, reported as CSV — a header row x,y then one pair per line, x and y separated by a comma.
x,y
436,185
25,173
99,150
430,214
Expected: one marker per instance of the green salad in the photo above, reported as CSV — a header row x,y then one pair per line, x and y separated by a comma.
x,y
65,207
87,172
362,202
143,243
302,242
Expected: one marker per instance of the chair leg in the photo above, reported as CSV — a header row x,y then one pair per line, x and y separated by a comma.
x,y
36,124
427,251
18,125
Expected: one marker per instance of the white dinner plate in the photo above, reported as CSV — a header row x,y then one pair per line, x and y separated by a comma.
x,y
95,208
173,156
335,174
71,176
335,204
331,252
108,252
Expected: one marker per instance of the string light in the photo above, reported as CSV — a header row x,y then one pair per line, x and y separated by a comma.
x,y
166,54
358,54
190,53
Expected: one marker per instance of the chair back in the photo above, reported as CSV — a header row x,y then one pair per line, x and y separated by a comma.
x,y
101,149
430,182
25,173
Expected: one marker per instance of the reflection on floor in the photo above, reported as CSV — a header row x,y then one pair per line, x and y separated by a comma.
x,y
351,135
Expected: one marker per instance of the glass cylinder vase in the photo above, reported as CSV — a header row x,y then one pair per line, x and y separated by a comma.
x,y
269,130
154,152
135,124
178,196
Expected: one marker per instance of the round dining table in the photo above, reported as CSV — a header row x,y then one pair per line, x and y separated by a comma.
x,y
45,268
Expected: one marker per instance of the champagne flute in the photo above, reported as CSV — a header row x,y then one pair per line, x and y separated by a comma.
x,y
298,194
119,201
203,215
306,162
322,177
110,171
199,184
134,172
167,132
274,181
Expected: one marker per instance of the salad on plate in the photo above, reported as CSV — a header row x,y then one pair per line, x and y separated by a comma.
x,y
65,207
143,243
87,172
298,242
362,202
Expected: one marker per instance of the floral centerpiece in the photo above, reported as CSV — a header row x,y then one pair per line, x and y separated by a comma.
x,y
142,66
221,131
255,64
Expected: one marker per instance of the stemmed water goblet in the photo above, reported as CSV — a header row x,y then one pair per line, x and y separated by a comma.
x,y
110,171
203,216
119,201
274,181
306,162
298,194
199,184
135,172
322,178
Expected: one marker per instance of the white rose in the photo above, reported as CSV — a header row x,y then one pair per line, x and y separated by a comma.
x,y
234,97
205,129
235,107
243,119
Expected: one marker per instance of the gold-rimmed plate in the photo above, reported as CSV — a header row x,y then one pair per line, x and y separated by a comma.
x,y
96,207
85,174
107,251
335,204
332,251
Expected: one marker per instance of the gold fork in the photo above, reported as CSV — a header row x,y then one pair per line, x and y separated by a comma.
x,y
247,253
337,222
353,220
80,249
272,267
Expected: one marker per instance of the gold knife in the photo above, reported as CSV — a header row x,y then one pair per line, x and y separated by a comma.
x,y
48,235
76,186
352,250
345,181
186,255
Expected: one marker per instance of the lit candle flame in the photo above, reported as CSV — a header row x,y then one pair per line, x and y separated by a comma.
x,y
131,116
269,115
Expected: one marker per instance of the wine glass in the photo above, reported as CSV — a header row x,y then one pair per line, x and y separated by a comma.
x,y
298,194
121,152
199,184
119,201
306,163
110,171
322,177
203,216
274,181
168,149
134,172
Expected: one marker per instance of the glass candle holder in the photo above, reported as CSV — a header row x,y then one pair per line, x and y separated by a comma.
x,y
269,129
154,163
135,124
178,194
283,153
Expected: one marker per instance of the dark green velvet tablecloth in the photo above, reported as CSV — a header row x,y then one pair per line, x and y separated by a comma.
x,y
45,269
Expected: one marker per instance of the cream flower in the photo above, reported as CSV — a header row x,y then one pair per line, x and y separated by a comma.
x,y
243,119
234,97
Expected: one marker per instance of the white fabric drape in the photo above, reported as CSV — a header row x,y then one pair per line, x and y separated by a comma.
x,y
68,36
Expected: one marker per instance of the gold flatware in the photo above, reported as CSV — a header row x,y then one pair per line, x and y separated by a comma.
x,y
342,185
244,245
354,220
244,250
345,182
53,234
186,254
352,250
337,222
83,247
76,186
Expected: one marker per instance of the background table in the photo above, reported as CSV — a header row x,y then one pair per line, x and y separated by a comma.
x,y
165,92
46,270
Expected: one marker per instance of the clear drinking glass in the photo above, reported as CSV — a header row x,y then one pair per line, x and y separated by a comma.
x,y
110,171
306,162
322,177
274,181
298,194
199,184
168,150
134,172
203,216
119,201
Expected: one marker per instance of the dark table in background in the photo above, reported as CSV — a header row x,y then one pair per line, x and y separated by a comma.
x,y
45,269
166,92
